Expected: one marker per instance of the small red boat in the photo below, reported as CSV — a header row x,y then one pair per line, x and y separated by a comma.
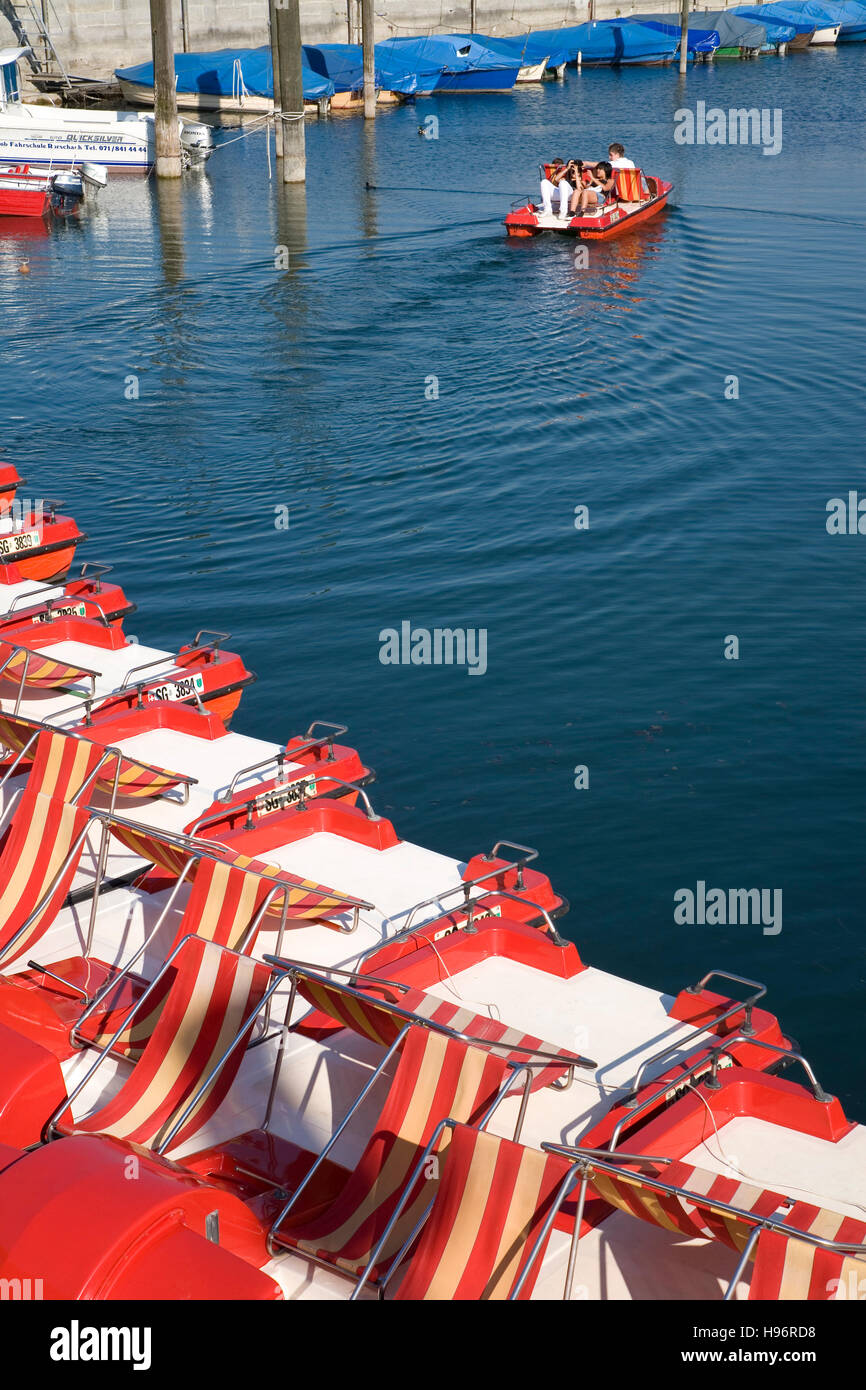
x,y
25,192
637,197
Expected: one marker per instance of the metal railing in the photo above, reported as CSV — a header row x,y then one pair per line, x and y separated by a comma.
x,y
173,1122
711,1026
586,1161
710,1063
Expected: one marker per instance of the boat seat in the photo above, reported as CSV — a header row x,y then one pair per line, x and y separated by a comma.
x,y
630,186
226,906
436,1077
698,1204
69,761
787,1268
490,1207
212,999
40,855
373,1019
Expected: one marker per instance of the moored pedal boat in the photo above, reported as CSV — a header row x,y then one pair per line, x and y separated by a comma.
x,y
68,668
88,595
41,545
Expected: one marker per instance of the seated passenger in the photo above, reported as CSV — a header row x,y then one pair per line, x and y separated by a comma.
x,y
616,156
566,178
598,192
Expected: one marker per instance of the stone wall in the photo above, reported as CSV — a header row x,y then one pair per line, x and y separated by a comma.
x,y
96,36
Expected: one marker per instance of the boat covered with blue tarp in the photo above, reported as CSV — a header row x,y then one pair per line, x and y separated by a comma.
x,y
443,63
224,76
733,31
806,15
699,40
614,43
854,25
539,46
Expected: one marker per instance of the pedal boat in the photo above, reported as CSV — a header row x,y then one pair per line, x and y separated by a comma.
x,y
601,224
484,995
65,668
88,595
42,547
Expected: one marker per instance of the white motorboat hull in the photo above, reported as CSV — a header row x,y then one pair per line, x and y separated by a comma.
x,y
826,36
534,73
248,105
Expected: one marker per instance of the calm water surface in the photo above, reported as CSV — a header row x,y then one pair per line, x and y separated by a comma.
x,y
558,387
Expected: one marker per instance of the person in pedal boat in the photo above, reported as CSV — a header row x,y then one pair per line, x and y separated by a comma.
x,y
615,158
565,177
596,193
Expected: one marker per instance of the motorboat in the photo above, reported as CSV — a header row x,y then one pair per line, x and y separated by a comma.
x,y
638,198
61,139
26,192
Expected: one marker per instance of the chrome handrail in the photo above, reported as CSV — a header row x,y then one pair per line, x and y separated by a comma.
x,y
490,892
431,1144
283,779
206,632
535,1058
710,1062
128,684
466,884
710,1027
586,1161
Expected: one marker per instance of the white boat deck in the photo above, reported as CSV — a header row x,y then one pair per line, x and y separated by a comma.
x,y
59,707
26,593
784,1160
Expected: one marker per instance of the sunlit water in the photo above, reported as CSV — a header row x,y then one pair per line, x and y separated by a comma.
x,y
557,387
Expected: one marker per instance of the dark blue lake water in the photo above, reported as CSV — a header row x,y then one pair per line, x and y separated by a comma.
x,y
558,387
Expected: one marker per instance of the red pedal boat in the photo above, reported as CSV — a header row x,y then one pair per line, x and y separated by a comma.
x,y
42,546
637,198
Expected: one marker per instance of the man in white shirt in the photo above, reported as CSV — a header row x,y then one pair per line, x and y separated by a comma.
x,y
616,155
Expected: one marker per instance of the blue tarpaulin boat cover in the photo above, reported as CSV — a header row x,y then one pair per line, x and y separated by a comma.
x,y
854,26
614,41
220,74
533,48
732,30
700,39
416,65
803,14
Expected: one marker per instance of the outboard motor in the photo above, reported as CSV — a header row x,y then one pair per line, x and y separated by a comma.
x,y
94,175
197,143
67,191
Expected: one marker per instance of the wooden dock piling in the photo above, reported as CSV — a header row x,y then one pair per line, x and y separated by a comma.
x,y
369,51
169,164
291,91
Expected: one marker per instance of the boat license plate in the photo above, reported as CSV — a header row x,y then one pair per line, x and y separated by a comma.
x,y
281,797
476,917
66,610
177,690
16,543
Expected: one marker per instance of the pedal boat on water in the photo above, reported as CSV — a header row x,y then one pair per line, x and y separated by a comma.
x,y
40,546
67,668
88,595
637,198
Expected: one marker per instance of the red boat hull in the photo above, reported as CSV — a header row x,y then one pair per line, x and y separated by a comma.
x,y
524,222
